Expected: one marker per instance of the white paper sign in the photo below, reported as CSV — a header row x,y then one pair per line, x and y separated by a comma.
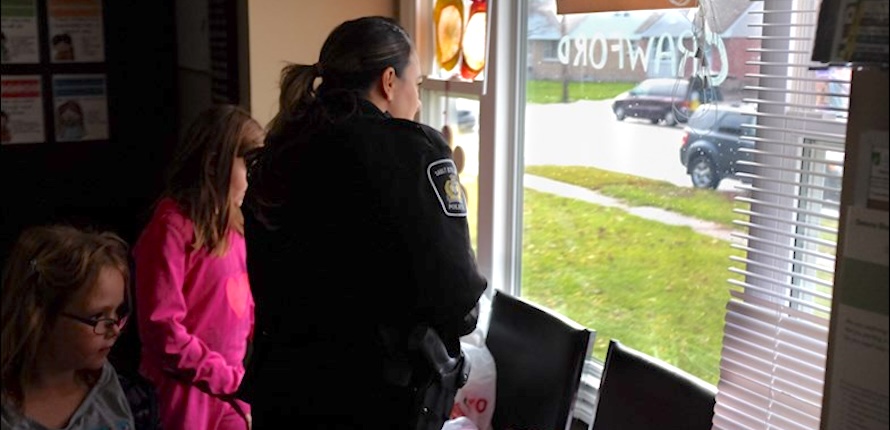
x,y
80,107
75,31
19,32
22,110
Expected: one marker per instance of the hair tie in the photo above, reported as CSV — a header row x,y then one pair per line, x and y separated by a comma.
x,y
318,69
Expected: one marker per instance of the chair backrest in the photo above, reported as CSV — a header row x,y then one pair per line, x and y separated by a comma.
x,y
539,356
641,392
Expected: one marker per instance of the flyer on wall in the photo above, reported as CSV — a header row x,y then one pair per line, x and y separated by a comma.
x,y
19,32
76,33
80,106
22,110
860,363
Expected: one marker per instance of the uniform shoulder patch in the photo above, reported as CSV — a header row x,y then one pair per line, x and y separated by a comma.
x,y
446,185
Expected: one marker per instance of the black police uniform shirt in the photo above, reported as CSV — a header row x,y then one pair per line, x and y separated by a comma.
x,y
371,231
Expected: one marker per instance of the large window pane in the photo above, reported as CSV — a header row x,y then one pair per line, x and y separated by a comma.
x,y
609,111
649,110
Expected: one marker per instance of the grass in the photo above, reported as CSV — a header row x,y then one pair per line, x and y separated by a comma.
x,y
636,191
656,287
551,91
661,289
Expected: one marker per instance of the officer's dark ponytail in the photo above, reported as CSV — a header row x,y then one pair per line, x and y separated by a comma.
x,y
297,94
353,56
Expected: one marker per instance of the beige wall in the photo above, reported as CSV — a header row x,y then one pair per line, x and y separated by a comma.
x,y
292,31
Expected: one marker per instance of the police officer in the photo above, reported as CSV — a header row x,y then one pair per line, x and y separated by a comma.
x,y
357,238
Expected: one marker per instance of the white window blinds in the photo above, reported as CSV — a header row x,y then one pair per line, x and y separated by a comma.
x,y
775,336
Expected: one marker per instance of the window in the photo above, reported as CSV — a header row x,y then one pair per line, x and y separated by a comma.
x,y
548,50
567,186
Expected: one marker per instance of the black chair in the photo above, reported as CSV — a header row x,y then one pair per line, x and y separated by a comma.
x,y
640,392
539,356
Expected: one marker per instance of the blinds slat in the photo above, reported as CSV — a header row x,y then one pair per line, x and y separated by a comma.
x,y
794,313
810,363
802,119
777,11
778,38
775,269
803,224
788,247
802,186
802,133
777,64
832,216
754,226
791,77
833,145
796,25
802,92
788,260
786,297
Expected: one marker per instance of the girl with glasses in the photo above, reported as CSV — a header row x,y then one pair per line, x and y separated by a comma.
x,y
64,304
194,303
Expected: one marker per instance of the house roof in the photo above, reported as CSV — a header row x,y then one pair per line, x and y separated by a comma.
x,y
742,27
731,19
543,26
611,25
672,22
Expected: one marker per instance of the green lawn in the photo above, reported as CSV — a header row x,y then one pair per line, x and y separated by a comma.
x,y
707,205
658,288
551,91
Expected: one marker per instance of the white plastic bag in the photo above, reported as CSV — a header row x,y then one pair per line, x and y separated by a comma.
x,y
460,423
476,399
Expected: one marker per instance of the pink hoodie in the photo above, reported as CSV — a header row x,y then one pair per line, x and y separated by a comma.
x,y
196,314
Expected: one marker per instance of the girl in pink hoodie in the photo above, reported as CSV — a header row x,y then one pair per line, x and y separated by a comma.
x,y
194,307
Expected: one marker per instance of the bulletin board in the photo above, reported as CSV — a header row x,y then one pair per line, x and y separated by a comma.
x,y
54,77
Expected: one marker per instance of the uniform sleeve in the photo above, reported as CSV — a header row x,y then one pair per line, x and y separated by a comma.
x,y
160,273
434,221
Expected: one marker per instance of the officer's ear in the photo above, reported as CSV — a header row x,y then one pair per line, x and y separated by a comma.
x,y
388,83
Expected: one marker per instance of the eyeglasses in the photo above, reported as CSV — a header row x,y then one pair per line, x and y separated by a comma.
x,y
100,326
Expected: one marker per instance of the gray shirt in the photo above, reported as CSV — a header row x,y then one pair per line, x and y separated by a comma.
x,y
104,408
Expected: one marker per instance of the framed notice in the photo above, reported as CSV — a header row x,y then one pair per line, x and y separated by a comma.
x,y
19,32
76,33
80,107
22,110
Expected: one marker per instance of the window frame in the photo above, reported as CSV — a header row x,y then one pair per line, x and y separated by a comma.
x,y
501,148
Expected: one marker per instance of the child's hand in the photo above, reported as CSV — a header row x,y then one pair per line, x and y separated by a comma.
x,y
249,421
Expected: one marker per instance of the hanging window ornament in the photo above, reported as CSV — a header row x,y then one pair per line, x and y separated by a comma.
x,y
448,20
473,44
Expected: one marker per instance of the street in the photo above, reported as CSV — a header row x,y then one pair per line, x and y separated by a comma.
x,y
587,133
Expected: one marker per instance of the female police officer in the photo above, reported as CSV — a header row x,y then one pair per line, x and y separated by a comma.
x,y
357,236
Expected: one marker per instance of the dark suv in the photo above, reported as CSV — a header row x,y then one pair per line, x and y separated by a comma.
x,y
670,100
711,145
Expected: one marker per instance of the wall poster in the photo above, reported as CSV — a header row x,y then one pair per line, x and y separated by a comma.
x,y
22,110
19,32
76,34
80,107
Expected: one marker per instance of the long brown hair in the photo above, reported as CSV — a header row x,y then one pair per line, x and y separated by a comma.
x,y
199,176
47,268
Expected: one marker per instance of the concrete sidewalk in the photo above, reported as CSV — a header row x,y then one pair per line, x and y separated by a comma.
x,y
545,185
